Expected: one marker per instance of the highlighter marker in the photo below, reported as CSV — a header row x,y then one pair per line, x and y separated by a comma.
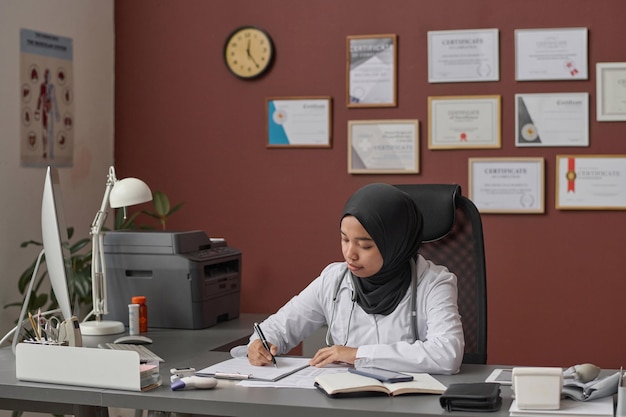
x,y
197,382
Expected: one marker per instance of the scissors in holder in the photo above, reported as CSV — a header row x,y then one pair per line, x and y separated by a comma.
x,y
51,328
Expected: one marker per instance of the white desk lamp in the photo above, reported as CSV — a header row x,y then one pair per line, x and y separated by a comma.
x,y
118,193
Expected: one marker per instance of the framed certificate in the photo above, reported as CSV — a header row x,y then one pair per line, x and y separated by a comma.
x,y
591,182
304,122
507,185
457,122
611,91
552,119
551,54
463,55
371,71
383,147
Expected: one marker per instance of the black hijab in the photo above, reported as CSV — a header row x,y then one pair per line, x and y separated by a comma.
x,y
394,222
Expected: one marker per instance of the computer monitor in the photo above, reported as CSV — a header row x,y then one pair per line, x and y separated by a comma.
x,y
58,261
55,241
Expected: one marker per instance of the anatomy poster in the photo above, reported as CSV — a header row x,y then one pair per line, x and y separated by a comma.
x,y
46,99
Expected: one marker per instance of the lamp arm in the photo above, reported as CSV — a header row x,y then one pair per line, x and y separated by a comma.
x,y
98,278
101,215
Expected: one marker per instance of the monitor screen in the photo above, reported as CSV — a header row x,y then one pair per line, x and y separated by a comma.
x,y
55,240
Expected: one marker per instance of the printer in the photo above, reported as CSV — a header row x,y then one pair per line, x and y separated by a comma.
x,y
189,280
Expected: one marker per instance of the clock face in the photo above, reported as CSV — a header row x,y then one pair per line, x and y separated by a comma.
x,y
248,52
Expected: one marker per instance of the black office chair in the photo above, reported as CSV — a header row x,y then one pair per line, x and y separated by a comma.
x,y
453,237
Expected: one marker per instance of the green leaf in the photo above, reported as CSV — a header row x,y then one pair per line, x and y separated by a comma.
x,y
30,242
78,246
15,304
125,224
22,283
151,214
38,301
161,203
175,209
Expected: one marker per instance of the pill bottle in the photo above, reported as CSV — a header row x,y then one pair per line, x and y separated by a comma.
x,y
143,312
133,319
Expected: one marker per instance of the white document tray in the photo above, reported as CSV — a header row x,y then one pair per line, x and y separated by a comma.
x,y
81,366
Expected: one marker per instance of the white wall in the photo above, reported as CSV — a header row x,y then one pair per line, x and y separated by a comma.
x,y
90,23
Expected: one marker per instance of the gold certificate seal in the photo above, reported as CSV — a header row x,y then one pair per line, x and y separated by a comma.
x,y
571,175
529,132
527,200
279,117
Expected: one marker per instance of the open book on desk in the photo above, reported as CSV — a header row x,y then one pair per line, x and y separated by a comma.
x,y
240,368
347,384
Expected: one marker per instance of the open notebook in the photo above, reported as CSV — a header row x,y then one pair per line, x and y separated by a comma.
x,y
347,384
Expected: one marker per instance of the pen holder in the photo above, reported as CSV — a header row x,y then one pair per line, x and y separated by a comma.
x,y
620,410
85,367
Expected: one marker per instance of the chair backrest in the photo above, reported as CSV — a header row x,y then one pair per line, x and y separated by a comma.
x,y
453,237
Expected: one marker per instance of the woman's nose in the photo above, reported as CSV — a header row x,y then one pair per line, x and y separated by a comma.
x,y
351,253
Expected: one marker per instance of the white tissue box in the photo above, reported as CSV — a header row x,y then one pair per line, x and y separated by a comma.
x,y
538,388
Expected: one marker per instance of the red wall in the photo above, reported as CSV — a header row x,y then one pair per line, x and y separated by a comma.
x,y
556,281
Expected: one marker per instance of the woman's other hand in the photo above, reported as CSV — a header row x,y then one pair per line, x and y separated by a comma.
x,y
334,354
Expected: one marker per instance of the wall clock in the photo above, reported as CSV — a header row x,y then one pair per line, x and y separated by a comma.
x,y
248,52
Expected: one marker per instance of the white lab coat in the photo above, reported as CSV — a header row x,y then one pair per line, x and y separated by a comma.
x,y
382,341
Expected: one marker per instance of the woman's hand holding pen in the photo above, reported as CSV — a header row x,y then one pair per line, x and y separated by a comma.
x,y
258,355
334,354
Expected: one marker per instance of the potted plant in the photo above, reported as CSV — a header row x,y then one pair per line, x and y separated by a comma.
x,y
79,284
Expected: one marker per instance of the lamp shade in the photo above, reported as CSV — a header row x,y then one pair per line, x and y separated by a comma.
x,y
128,192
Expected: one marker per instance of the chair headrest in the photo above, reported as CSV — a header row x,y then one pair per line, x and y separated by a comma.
x,y
437,202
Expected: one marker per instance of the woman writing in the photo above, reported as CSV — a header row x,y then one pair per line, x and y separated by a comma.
x,y
385,305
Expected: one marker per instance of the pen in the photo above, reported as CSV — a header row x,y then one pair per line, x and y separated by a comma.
x,y
29,334
34,326
226,375
39,323
259,333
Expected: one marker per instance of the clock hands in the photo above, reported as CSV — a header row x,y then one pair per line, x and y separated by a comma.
x,y
250,57
248,52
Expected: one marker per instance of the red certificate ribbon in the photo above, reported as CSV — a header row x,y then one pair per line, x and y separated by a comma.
x,y
571,174
571,68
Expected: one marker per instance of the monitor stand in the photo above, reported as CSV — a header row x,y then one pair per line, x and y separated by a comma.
x,y
101,327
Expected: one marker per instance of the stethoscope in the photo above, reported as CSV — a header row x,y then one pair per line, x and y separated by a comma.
x,y
413,304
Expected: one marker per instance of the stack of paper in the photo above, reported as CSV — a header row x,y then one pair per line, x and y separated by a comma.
x,y
602,407
240,368
149,376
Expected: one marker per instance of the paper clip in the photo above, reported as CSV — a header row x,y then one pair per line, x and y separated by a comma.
x,y
178,373
183,372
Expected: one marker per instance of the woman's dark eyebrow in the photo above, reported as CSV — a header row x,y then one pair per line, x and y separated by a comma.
x,y
369,239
